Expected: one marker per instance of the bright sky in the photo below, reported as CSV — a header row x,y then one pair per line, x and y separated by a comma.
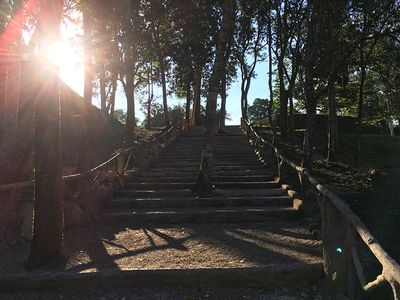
x,y
69,55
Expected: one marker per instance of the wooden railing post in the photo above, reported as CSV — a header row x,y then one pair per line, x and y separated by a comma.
x,y
308,195
337,240
282,168
121,163
84,166
344,275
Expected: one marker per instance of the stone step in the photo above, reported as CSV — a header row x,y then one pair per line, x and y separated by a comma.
x,y
194,172
184,185
185,178
193,163
44,285
188,144
245,157
173,202
187,192
190,155
216,169
198,215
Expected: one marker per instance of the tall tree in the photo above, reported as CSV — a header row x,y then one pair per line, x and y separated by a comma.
x,y
158,27
250,42
310,57
289,38
86,6
373,21
48,206
204,183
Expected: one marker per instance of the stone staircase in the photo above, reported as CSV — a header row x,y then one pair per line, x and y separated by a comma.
x,y
247,234
156,234
244,190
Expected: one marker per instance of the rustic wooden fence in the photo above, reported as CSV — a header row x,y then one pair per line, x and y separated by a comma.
x,y
139,156
340,225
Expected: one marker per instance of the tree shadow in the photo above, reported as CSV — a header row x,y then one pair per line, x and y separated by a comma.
x,y
100,259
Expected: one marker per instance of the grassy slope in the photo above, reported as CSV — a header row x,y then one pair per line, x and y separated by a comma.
x,y
372,189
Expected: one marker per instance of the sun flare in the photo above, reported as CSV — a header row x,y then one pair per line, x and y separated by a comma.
x,y
68,59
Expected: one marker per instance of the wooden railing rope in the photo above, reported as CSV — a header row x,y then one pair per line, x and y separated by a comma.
x,y
164,139
339,225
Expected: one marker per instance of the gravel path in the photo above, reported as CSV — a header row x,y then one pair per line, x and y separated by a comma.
x,y
195,246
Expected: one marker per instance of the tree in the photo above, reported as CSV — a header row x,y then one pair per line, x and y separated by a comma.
x,y
258,110
48,221
87,19
373,20
310,57
130,36
204,183
157,23
250,42
289,29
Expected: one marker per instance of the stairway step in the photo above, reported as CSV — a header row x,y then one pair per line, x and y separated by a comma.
x,y
183,185
184,177
173,202
248,158
179,163
216,169
194,173
272,275
199,215
191,155
186,192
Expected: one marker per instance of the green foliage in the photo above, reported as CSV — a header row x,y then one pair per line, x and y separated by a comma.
x,y
177,113
258,110
120,115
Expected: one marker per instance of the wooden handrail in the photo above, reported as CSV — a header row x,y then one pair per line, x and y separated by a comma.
x,y
390,268
67,178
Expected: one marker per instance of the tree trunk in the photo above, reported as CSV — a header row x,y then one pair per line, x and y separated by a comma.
x,y
164,92
196,96
102,81
291,117
390,117
283,103
112,96
332,121
3,82
309,92
48,206
87,55
188,100
223,105
130,120
3,93
204,183
243,100
360,111
271,90
150,95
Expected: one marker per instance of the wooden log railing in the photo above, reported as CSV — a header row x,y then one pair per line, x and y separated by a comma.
x,y
138,156
340,225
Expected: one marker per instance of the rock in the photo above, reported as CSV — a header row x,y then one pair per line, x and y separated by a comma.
x,y
27,219
73,214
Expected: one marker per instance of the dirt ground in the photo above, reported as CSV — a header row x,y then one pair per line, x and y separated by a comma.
x,y
100,248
